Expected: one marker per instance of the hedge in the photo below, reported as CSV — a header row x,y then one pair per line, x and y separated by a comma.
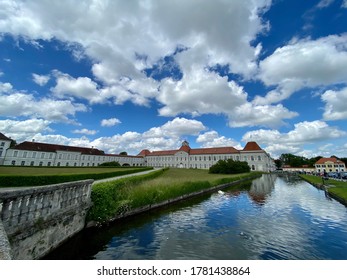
x,y
39,180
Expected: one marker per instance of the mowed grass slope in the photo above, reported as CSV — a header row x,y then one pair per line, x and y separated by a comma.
x,y
118,197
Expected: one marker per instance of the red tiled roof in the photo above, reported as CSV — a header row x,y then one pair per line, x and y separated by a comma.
x,y
252,146
44,147
332,159
218,150
163,153
3,137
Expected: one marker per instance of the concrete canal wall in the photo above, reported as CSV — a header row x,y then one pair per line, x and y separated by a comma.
x,y
36,220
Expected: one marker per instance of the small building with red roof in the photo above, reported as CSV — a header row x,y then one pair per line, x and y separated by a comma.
x,y
331,164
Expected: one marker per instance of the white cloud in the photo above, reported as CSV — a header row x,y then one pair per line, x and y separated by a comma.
x,y
81,88
325,3
304,133
110,122
200,92
165,137
85,131
335,104
15,104
344,4
5,87
249,114
24,130
41,80
123,38
304,63
213,139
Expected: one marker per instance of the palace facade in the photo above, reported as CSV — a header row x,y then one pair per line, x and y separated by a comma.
x,y
204,158
43,154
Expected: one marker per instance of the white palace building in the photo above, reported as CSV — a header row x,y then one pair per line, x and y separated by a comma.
x,y
42,154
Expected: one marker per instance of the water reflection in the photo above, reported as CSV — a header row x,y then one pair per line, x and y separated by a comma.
x,y
271,218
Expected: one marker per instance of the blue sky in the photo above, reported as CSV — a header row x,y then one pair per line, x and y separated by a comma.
x,y
133,75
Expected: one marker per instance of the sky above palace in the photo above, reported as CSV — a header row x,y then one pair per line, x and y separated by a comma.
x,y
132,75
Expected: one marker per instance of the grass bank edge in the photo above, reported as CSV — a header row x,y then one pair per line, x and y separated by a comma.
x,y
115,198
336,188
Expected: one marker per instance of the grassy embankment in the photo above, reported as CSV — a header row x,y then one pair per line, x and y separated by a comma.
x,y
36,176
118,197
336,189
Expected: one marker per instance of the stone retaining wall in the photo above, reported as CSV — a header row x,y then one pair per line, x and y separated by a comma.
x,y
38,219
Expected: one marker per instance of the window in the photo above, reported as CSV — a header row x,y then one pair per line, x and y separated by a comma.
x,y
22,163
58,164
13,162
25,154
60,155
49,163
15,154
253,167
32,163
34,154
259,158
41,163
2,144
50,156
252,158
43,155
67,164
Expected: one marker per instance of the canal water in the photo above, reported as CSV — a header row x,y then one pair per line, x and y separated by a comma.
x,y
273,217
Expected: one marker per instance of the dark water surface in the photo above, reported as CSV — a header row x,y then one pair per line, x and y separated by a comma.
x,y
271,218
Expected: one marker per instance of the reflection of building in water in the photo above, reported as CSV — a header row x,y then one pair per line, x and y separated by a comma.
x,y
261,188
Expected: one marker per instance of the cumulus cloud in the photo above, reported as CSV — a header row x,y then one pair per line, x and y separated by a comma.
x,y
15,104
213,139
292,141
335,104
110,122
85,131
149,31
24,130
165,137
41,80
304,63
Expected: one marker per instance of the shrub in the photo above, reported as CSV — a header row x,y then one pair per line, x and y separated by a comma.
x,y
110,164
229,167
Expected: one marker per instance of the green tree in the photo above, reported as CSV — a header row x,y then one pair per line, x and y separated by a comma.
x,y
229,167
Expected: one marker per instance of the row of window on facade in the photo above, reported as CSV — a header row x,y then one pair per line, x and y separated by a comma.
x,y
204,158
32,163
330,165
200,166
64,156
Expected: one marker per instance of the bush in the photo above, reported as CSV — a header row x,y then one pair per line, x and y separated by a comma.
x,y
229,167
110,164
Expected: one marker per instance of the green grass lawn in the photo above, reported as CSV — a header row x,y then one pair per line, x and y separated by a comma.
x,y
37,176
337,188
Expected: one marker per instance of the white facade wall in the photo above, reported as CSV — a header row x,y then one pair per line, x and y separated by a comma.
x,y
4,146
64,159
258,161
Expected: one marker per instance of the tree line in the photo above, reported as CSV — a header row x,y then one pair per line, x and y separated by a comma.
x,y
299,161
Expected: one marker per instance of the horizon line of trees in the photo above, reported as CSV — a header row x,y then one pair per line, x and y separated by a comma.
x,y
299,161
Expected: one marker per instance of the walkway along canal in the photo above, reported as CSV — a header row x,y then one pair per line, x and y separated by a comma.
x,y
269,218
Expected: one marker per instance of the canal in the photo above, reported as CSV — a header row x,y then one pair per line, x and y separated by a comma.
x,y
273,217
